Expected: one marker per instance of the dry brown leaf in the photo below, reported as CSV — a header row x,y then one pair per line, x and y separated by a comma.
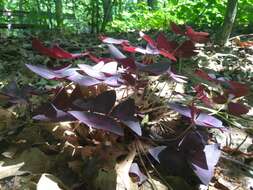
x,y
124,181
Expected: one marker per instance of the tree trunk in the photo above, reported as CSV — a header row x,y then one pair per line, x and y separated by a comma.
x,y
21,2
152,4
107,9
58,13
229,19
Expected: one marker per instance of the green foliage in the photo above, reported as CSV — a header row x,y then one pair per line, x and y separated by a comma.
x,y
245,12
139,17
90,15
203,13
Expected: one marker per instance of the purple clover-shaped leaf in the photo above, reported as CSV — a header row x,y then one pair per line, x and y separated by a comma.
x,y
90,71
115,52
237,109
114,81
177,78
154,152
124,111
112,40
128,63
156,68
102,103
203,119
203,162
44,72
54,52
83,80
49,113
98,121
14,94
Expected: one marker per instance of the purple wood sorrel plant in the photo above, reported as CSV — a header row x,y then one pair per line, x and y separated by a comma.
x,y
105,111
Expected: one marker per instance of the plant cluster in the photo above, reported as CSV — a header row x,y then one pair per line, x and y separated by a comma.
x,y
92,95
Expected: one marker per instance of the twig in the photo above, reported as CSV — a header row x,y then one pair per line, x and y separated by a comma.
x,y
237,148
237,162
144,166
156,171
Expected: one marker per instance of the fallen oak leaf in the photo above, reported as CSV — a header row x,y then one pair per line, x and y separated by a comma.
x,y
124,181
11,170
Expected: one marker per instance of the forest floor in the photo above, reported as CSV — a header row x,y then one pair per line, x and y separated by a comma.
x,y
39,155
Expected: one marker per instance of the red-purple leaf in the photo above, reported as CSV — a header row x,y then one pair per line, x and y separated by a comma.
x,y
202,74
101,70
50,113
202,95
83,80
200,37
220,99
102,103
186,50
177,78
115,52
152,47
194,141
114,81
237,109
59,53
163,43
176,29
89,70
128,63
155,68
238,89
212,154
98,121
203,119
44,72
149,50
93,57
133,124
154,152
147,38
55,52
113,40
152,50
110,68
133,49
167,55
14,94
124,111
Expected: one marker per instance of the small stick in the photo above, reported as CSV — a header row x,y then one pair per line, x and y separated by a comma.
x,y
237,148
237,162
